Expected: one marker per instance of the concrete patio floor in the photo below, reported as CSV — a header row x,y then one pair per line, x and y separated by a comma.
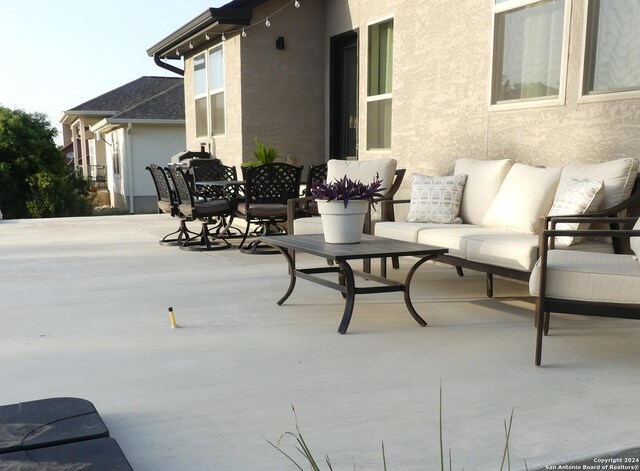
x,y
84,313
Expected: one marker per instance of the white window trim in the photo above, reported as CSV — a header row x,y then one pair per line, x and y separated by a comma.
x,y
541,102
603,96
216,91
197,96
209,93
384,96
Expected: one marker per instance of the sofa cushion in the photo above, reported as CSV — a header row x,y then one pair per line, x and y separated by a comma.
x,y
306,226
435,199
618,175
517,251
576,197
635,241
363,170
484,178
588,276
453,237
524,197
406,231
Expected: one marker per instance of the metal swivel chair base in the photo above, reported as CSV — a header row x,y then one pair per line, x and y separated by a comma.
x,y
205,241
256,247
183,234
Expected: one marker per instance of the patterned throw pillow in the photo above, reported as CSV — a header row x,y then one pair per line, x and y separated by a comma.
x,y
436,199
576,197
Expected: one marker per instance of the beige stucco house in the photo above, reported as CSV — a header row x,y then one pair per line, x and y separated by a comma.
x,y
544,82
117,134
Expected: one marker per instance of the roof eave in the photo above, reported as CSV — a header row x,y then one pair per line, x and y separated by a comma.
x,y
214,21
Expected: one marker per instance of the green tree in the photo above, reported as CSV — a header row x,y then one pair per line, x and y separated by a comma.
x,y
35,180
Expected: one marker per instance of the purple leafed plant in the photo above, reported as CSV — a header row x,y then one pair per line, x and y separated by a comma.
x,y
345,189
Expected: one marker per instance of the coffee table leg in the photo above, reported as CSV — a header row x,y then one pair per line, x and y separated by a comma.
x,y
407,286
292,274
350,284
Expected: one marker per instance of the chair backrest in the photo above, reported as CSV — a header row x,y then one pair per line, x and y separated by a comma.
x,y
364,170
272,183
315,173
213,171
167,200
183,190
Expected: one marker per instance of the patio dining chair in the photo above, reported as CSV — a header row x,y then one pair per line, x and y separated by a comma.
x,y
586,283
207,211
267,189
168,203
204,171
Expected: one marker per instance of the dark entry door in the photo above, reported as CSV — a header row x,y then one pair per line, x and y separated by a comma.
x,y
344,96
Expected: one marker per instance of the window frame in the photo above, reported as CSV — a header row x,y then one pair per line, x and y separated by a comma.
x,y
209,93
540,102
602,96
380,97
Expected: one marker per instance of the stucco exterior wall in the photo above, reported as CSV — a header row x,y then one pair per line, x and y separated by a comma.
x,y
441,74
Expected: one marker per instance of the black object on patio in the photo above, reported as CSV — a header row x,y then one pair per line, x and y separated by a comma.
x,y
168,203
267,189
48,422
102,454
208,211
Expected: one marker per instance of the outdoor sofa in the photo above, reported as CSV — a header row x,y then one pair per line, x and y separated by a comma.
x,y
488,213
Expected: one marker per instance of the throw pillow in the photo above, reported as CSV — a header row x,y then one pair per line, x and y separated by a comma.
x,y
576,197
436,199
524,197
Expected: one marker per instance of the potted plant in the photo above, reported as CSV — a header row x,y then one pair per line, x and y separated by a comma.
x,y
343,205
263,155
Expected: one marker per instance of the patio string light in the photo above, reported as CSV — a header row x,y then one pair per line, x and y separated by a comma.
x,y
243,31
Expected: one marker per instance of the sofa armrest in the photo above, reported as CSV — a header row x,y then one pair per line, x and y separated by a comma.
x,y
294,208
386,209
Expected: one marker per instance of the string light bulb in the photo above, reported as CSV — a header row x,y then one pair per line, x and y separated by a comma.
x,y
190,45
177,52
223,37
244,33
206,36
267,23
296,4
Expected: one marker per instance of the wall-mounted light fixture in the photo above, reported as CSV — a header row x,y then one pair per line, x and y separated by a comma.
x,y
280,42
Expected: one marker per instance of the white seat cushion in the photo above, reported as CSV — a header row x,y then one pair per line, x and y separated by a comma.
x,y
306,226
363,170
588,276
453,237
516,250
406,231
524,197
484,178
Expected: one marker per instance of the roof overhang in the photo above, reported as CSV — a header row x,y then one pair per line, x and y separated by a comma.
x,y
68,117
109,124
212,24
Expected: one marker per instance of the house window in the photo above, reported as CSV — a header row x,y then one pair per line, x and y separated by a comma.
x,y
379,85
200,91
208,76
529,61
612,45
216,90
115,153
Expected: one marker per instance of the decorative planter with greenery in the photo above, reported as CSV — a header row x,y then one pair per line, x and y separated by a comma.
x,y
343,205
263,155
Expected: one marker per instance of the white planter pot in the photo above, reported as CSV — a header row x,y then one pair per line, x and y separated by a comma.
x,y
342,225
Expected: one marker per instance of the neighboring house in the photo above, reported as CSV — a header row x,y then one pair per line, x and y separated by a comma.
x,y
116,135
546,82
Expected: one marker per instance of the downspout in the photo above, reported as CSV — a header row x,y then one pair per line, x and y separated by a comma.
x,y
130,168
169,67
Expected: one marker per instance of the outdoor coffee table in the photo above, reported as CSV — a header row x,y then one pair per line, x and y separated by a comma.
x,y
341,255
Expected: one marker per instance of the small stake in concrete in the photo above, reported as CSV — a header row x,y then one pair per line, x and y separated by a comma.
x,y
173,319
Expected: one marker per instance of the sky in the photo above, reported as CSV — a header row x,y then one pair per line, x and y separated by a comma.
x,y
59,54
